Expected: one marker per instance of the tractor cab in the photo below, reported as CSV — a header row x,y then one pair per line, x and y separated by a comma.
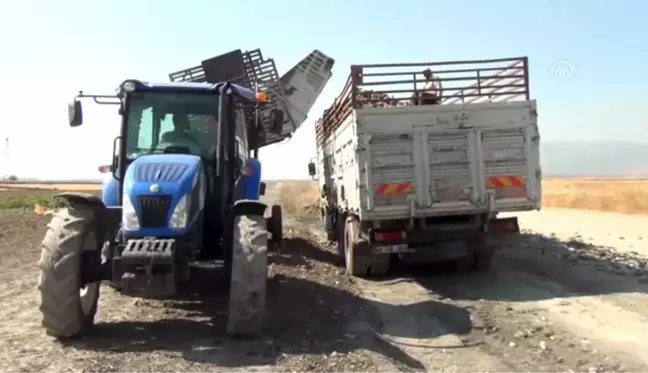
x,y
184,156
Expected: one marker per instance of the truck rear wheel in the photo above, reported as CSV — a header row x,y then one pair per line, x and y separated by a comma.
x,y
340,229
333,235
484,259
248,276
276,228
379,265
356,249
67,308
479,258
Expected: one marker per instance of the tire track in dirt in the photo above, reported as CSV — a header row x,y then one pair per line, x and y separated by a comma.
x,y
491,322
607,309
417,330
542,324
531,312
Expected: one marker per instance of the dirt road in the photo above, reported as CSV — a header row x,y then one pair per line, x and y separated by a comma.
x,y
546,305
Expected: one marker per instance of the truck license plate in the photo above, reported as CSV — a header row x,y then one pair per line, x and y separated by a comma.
x,y
391,249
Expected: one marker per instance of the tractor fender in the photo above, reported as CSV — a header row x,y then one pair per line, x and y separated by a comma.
x,y
79,198
249,207
110,191
252,180
106,220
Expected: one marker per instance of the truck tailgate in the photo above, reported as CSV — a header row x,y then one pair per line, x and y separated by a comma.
x,y
442,160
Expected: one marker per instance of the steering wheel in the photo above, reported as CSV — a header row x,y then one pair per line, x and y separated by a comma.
x,y
185,135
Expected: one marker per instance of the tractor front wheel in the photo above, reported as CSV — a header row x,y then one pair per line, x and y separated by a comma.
x,y
248,276
67,307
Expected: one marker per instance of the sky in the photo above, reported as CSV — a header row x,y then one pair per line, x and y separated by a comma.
x,y
51,50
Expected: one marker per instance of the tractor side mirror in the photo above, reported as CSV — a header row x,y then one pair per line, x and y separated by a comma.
x,y
311,169
75,113
276,121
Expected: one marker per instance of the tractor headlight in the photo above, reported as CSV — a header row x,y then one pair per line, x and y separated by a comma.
x,y
129,215
180,213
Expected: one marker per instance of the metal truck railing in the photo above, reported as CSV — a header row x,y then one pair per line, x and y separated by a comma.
x,y
461,82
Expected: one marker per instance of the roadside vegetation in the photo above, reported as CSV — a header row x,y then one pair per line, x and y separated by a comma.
x,y
28,197
299,199
629,196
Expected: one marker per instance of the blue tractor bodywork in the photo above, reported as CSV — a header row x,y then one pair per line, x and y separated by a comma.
x,y
110,191
174,176
252,179
167,205
179,200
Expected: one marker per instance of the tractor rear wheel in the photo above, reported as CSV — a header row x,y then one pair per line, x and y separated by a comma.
x,y
276,217
67,307
248,276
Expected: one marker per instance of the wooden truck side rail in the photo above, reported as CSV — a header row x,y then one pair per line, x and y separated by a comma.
x,y
462,82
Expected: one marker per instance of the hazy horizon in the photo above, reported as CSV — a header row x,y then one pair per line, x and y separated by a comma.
x,y
602,159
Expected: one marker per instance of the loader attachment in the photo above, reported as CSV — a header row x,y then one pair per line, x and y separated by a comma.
x,y
290,97
297,91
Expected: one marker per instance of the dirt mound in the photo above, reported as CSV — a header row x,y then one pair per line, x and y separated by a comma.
x,y
299,199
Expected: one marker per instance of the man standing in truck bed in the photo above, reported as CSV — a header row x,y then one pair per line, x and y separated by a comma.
x,y
431,92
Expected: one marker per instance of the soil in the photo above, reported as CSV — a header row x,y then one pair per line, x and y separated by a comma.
x,y
546,305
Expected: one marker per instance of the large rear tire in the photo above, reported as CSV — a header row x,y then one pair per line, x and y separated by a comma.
x,y
380,264
248,276
484,259
276,217
356,249
67,308
479,258
340,230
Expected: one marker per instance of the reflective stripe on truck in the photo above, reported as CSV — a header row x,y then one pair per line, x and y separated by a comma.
x,y
507,186
394,188
497,182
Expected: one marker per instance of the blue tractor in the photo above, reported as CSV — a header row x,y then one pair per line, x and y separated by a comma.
x,y
184,188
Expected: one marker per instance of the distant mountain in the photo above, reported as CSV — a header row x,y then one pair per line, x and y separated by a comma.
x,y
593,158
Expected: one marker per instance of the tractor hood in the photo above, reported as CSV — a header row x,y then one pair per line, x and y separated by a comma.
x,y
163,179
163,168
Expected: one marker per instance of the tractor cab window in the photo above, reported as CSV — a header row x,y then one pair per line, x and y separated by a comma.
x,y
160,120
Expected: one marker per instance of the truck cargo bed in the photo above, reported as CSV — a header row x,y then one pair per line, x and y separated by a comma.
x,y
447,160
383,155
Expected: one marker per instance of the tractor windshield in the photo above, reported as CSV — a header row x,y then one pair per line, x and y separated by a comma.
x,y
159,120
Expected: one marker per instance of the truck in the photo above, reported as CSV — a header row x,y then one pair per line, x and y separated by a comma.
x,y
402,178
183,189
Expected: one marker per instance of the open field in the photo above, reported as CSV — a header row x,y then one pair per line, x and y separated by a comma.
x,y
49,186
26,196
548,304
628,196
